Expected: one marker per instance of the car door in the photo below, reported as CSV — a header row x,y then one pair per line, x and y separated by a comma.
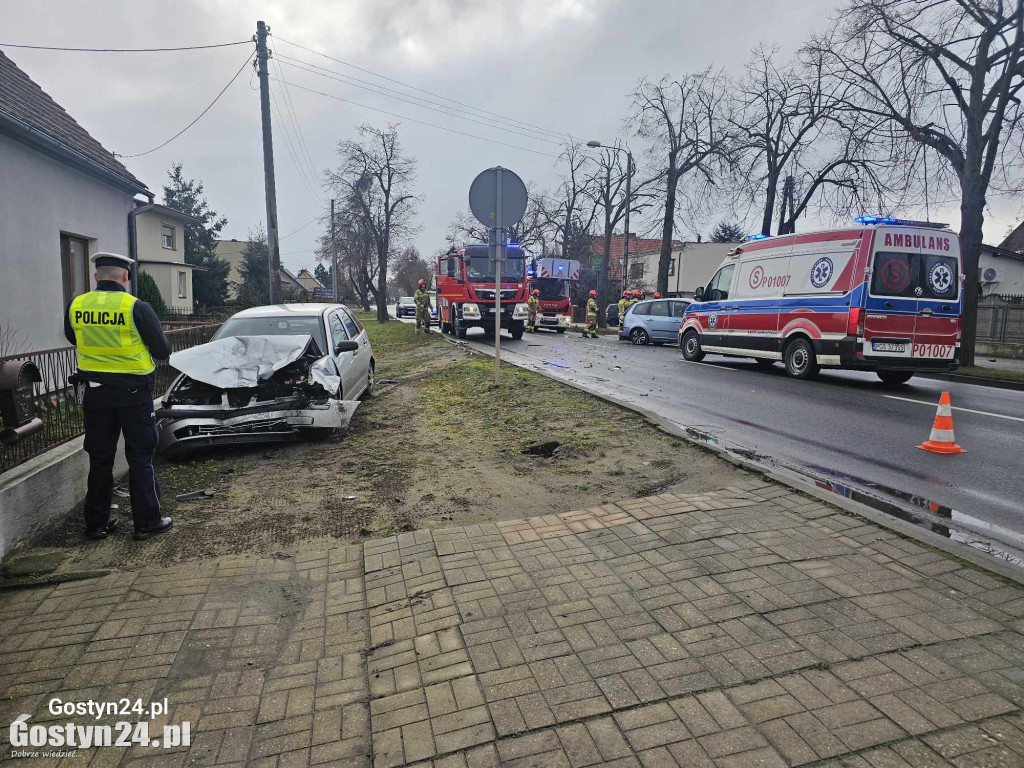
x,y
364,356
660,322
344,360
714,312
678,311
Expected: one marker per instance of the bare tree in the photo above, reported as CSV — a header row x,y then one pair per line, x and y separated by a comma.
x,y
12,340
608,189
377,180
568,211
686,120
944,75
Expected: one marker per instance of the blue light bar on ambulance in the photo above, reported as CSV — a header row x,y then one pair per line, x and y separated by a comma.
x,y
899,222
758,236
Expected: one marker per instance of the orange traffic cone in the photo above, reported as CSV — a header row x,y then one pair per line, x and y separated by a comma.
x,y
942,440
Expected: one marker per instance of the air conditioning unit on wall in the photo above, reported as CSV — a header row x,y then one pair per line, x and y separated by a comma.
x,y
992,274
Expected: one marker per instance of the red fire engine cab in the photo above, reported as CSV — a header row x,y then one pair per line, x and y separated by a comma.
x,y
884,296
556,280
465,291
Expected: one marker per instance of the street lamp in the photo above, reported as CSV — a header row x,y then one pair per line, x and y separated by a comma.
x,y
629,201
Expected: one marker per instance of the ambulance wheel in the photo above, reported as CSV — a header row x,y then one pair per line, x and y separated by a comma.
x,y
764,363
800,360
639,337
690,346
895,378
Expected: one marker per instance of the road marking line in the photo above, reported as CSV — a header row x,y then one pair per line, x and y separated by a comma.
x,y
955,408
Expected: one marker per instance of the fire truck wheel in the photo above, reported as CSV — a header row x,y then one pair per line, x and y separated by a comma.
x,y
459,328
894,378
800,360
690,346
516,329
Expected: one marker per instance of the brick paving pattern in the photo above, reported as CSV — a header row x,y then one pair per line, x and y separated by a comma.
x,y
747,627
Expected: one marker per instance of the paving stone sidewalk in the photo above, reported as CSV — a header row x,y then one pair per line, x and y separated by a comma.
x,y
748,627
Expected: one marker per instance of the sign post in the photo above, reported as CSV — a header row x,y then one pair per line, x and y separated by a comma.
x,y
497,198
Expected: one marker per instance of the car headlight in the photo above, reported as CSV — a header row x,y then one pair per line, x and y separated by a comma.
x,y
520,311
471,311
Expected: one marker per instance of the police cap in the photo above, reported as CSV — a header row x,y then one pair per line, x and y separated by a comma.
x,y
111,260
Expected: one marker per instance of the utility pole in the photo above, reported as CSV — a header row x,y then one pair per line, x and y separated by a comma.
x,y
629,204
334,261
268,165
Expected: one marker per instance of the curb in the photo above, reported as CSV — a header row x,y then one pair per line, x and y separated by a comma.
x,y
901,527
983,381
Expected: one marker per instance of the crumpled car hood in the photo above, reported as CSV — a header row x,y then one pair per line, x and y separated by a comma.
x,y
242,361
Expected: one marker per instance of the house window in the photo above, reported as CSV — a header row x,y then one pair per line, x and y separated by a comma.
x,y
182,284
672,268
167,236
636,270
74,266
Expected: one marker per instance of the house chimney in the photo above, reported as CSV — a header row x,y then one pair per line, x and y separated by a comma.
x,y
698,238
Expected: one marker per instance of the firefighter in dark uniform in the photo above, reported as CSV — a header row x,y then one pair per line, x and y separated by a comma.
x,y
118,337
422,299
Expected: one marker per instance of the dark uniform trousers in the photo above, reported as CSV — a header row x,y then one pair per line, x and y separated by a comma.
x,y
110,411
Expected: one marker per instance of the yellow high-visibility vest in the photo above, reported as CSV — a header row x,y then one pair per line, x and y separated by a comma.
x,y
106,336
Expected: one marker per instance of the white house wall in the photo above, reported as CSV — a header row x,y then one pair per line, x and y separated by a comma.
x,y
1012,283
40,198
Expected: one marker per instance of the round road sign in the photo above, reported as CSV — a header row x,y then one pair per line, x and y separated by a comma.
x,y
483,197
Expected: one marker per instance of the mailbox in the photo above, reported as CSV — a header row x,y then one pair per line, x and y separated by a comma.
x,y
17,400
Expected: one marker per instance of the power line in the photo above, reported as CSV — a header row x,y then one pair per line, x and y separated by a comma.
x,y
123,50
420,122
208,107
290,107
295,231
310,188
423,90
444,110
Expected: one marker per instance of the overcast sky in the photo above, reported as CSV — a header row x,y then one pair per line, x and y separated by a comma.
x,y
563,65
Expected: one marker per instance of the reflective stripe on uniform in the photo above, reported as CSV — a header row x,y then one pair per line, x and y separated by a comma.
x,y
105,334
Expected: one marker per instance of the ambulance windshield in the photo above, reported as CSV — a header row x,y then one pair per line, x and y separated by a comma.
x,y
915,276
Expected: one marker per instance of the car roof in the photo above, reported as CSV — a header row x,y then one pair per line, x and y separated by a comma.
x,y
310,309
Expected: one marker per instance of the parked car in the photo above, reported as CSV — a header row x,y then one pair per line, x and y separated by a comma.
x,y
653,321
406,306
611,315
270,374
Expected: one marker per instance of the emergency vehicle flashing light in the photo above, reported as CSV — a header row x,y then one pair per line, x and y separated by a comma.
x,y
899,222
758,236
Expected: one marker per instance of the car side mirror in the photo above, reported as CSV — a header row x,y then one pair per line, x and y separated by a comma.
x,y
699,293
346,346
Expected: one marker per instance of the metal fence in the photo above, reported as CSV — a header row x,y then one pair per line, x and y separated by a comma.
x,y
55,400
1001,319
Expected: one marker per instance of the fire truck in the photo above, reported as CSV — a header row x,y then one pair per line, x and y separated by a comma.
x,y
556,280
465,291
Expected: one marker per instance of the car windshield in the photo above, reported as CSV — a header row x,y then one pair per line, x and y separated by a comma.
x,y
274,326
407,300
550,288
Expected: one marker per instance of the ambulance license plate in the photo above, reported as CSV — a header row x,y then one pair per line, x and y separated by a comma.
x,y
888,346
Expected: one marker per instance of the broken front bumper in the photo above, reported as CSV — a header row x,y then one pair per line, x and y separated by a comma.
x,y
187,428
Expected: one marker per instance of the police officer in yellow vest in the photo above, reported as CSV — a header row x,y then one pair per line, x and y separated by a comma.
x,y
118,337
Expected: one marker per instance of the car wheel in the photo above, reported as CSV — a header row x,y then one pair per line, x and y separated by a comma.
x,y
368,392
690,346
639,336
560,330
801,362
764,363
895,378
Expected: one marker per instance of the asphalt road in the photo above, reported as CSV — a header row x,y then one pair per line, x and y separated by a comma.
x,y
844,427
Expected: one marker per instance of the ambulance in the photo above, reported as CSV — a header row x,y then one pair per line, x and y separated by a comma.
x,y
885,295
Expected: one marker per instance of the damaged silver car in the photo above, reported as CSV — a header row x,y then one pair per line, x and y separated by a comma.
x,y
271,374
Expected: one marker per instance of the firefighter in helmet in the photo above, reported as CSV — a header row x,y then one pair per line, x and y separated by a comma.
x,y
422,299
533,305
623,306
592,309
657,294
